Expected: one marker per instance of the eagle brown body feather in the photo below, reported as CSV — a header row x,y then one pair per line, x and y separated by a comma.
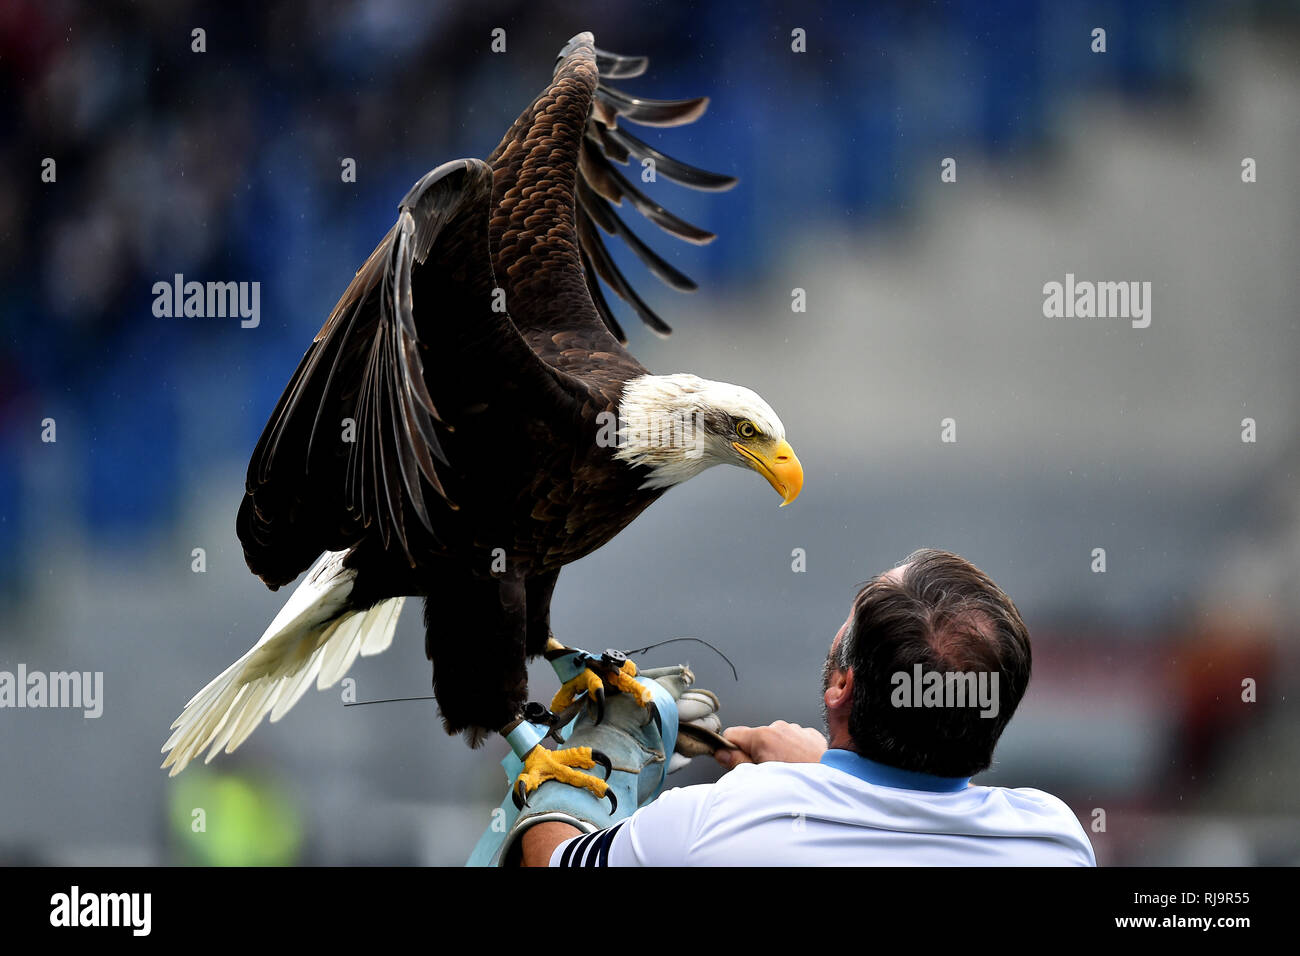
x,y
474,429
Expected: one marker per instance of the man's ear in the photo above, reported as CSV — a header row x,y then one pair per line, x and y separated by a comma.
x,y
839,693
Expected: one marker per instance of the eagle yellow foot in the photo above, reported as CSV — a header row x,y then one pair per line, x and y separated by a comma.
x,y
611,668
541,765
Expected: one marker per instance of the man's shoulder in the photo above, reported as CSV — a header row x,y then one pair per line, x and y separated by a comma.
x,y
776,775
785,785
752,790
1026,811
772,774
1028,801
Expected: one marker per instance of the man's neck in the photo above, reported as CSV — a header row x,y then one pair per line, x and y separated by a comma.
x,y
883,775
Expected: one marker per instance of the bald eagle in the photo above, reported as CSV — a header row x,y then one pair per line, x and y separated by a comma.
x,y
468,420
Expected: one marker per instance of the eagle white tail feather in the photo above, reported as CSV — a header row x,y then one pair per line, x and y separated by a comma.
x,y
314,637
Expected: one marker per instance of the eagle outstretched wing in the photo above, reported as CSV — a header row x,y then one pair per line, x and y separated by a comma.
x,y
600,183
562,155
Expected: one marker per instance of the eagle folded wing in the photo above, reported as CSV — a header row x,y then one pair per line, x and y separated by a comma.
x,y
356,443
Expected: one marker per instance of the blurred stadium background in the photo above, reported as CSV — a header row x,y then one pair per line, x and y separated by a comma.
x,y
924,302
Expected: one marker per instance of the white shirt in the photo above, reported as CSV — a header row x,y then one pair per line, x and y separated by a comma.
x,y
844,811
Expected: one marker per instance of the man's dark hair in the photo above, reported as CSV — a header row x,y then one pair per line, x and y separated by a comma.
x,y
948,616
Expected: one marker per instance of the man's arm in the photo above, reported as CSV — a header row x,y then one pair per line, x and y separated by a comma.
x,y
780,741
539,842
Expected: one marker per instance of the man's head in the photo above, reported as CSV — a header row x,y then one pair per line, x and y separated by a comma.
x,y
934,614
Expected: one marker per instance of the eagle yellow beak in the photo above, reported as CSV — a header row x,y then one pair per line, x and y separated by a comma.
x,y
781,469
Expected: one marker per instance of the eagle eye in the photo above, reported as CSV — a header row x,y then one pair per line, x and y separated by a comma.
x,y
746,429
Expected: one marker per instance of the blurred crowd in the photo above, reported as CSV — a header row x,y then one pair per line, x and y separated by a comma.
x,y
225,164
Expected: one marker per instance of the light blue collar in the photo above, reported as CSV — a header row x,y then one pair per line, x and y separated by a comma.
x,y
883,775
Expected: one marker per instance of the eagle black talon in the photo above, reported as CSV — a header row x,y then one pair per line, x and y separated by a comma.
x,y
656,717
603,761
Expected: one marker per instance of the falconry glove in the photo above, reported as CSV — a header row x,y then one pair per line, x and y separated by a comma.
x,y
637,744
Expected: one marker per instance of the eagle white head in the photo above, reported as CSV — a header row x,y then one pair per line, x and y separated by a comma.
x,y
678,425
